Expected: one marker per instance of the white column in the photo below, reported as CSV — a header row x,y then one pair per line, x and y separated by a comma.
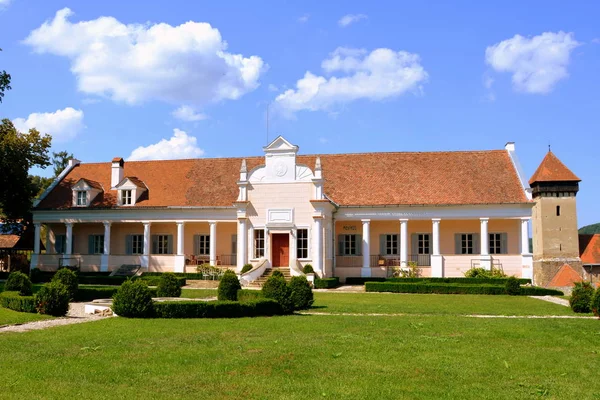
x,y
318,253
242,241
485,259
437,260
366,250
213,242
526,256
180,256
404,242
36,245
145,258
69,238
293,255
104,259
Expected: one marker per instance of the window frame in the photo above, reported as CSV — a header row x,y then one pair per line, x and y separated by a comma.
x,y
98,244
127,197
203,246
390,238
259,243
134,244
423,243
162,244
302,244
350,244
465,238
81,201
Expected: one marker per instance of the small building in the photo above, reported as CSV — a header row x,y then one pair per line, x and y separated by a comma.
x,y
348,215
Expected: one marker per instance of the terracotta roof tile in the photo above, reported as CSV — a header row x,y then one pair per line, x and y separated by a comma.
x,y
566,276
8,241
90,183
371,179
589,249
553,170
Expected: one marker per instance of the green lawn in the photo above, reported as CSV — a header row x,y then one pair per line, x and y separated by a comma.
x,y
8,317
198,293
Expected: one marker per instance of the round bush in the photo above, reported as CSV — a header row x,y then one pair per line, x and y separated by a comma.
x,y
229,286
581,297
276,288
278,273
69,279
308,269
302,295
168,286
133,300
18,282
512,286
595,305
52,299
478,273
246,268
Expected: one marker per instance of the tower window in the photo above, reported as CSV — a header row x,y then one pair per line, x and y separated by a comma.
x,y
558,211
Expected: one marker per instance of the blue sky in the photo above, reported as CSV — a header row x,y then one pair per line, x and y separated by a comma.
x,y
391,76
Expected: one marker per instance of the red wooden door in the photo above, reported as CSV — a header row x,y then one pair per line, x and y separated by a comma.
x,y
280,253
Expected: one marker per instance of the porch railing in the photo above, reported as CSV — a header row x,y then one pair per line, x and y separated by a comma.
x,y
227,259
422,260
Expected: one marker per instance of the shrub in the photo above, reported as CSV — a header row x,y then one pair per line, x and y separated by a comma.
x,y
36,275
498,273
69,279
484,273
14,301
278,273
512,286
595,304
276,288
229,286
302,295
52,299
18,282
217,309
168,286
133,299
327,283
465,281
246,268
581,297
308,269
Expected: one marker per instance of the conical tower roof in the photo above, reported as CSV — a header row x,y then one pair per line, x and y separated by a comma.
x,y
553,170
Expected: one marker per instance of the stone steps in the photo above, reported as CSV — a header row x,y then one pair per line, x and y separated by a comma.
x,y
263,278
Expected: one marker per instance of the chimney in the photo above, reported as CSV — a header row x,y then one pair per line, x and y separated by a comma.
x,y
243,171
73,162
510,146
117,172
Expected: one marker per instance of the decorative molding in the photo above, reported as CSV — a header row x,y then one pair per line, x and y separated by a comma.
x,y
132,215
280,215
428,213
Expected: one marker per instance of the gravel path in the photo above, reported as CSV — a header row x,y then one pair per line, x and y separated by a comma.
x,y
74,316
552,299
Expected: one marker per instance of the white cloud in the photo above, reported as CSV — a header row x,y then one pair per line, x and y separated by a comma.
x,y
350,19
180,145
61,124
304,18
378,75
187,113
323,140
4,3
273,88
133,63
537,63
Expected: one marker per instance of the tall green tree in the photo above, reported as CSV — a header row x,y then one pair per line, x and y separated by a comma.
x,y
18,153
60,161
4,83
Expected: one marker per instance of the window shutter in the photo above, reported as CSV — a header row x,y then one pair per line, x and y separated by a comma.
x,y
90,244
341,245
154,244
457,243
382,239
129,244
476,243
504,243
196,244
359,245
169,244
414,246
234,244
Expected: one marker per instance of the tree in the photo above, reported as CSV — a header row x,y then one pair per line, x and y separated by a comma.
x,y
590,229
4,83
39,184
60,161
18,153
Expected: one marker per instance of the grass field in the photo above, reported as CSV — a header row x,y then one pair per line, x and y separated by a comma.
x,y
9,317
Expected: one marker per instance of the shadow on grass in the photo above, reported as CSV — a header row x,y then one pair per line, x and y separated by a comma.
x,y
317,307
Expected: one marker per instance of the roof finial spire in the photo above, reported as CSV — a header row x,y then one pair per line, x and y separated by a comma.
x,y
318,164
243,168
549,149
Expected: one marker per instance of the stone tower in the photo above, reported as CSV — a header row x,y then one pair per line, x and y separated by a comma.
x,y
555,235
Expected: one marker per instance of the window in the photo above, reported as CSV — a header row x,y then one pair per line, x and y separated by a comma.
x,y
202,245
162,244
423,243
495,243
259,243
96,244
137,244
391,245
302,243
349,245
126,197
558,211
81,198
467,245
60,245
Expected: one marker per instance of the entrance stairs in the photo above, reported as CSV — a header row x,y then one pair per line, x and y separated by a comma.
x,y
268,272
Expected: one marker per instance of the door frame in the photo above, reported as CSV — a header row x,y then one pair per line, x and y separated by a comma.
x,y
272,247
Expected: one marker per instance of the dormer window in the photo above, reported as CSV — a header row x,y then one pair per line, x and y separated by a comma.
x,y
82,197
126,197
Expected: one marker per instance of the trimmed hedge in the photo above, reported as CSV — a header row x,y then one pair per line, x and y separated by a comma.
x,y
185,275
53,299
362,281
155,280
454,288
228,287
327,283
133,300
217,309
18,282
13,301
248,294
69,279
92,293
464,281
168,286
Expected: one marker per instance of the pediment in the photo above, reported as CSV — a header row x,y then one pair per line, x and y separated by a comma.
x,y
280,145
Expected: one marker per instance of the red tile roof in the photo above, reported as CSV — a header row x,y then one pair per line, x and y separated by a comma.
x,y
589,249
8,241
92,184
553,170
566,276
370,179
